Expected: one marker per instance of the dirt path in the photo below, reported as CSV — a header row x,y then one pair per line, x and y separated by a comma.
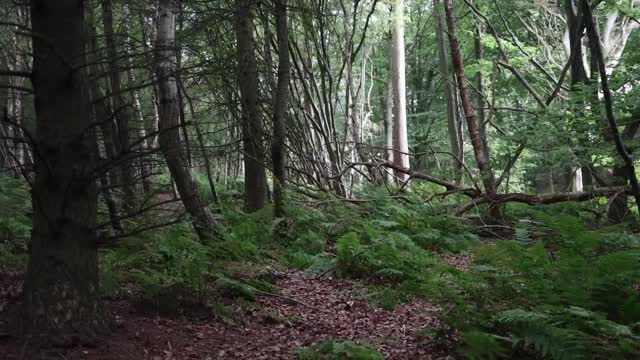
x,y
334,309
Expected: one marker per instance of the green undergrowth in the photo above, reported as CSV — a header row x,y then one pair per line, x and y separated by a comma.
x,y
380,239
334,350
564,285
15,221
559,290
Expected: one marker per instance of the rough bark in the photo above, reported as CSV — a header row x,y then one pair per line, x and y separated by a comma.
x,y
280,106
61,299
400,136
255,176
169,112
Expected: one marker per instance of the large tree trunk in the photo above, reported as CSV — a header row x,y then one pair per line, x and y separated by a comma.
x,y
255,176
400,136
482,156
280,106
61,299
169,113
121,109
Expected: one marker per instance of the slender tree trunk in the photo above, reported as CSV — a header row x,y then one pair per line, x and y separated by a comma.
x,y
453,122
205,155
105,183
575,27
623,152
579,74
400,136
619,205
61,299
18,118
5,157
388,123
148,37
482,159
480,103
100,113
143,159
280,108
121,109
183,119
169,112
255,177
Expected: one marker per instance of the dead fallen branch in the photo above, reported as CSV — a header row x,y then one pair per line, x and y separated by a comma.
x,y
450,186
478,198
539,199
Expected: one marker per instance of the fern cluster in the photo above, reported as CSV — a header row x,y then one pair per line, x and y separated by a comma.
x,y
334,350
570,294
15,221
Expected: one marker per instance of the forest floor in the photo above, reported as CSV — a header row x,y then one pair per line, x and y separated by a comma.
x,y
306,310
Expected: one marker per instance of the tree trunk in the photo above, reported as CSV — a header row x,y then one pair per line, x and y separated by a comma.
x,y
280,107
400,137
255,176
578,71
121,109
453,122
388,123
18,118
100,113
5,157
575,28
205,155
623,152
169,112
61,299
143,160
479,55
181,90
148,38
482,159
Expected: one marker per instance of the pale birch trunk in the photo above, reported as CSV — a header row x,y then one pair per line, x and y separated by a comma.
x,y
400,136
